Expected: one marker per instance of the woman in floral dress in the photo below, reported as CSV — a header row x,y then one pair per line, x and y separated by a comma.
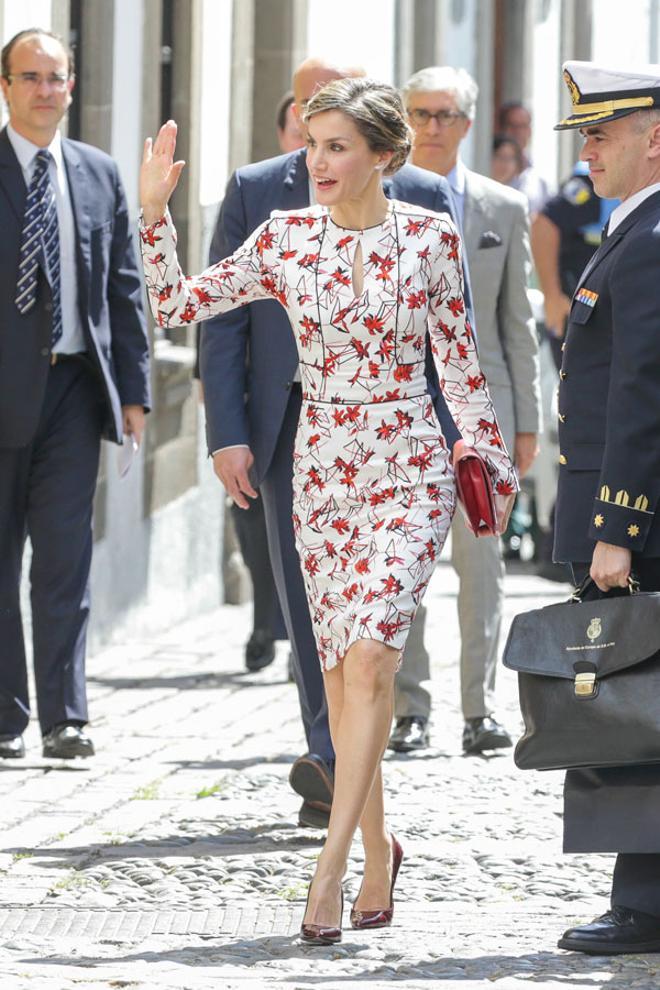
x,y
363,281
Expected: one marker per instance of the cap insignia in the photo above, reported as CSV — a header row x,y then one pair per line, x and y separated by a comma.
x,y
572,87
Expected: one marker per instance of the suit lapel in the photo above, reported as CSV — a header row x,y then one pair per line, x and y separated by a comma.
x,y
473,214
11,177
79,193
296,183
604,249
614,239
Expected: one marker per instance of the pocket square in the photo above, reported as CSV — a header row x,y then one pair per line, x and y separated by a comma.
x,y
490,239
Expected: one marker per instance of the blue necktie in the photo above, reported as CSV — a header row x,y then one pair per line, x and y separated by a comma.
x,y
40,244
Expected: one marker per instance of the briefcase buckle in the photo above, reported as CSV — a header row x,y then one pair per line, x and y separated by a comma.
x,y
585,685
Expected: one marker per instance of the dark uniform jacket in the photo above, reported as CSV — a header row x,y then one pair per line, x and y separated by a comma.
x,y
609,397
609,482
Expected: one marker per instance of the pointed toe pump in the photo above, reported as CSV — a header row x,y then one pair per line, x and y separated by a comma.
x,y
313,934
381,917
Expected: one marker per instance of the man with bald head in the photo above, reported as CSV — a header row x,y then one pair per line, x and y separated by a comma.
x,y
249,371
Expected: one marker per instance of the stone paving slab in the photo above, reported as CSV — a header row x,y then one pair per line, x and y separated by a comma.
x,y
126,925
173,859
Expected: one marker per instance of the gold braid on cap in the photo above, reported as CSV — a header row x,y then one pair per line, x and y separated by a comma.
x,y
587,113
599,111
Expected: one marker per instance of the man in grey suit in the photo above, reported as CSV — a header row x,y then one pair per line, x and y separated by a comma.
x,y
494,225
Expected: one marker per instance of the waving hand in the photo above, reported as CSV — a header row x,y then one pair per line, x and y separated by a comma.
x,y
159,173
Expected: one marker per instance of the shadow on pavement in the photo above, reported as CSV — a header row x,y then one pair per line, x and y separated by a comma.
x,y
184,682
262,839
252,761
571,969
70,766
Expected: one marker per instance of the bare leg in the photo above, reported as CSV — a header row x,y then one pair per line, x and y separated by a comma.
x,y
375,889
360,699
374,894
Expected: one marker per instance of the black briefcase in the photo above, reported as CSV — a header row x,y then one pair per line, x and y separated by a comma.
x,y
589,682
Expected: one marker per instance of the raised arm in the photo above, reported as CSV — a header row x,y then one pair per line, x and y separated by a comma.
x,y
251,273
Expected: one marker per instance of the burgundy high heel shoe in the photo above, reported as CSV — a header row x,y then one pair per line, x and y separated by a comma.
x,y
383,917
321,934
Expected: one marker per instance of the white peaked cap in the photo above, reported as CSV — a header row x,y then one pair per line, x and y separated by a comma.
x,y
600,93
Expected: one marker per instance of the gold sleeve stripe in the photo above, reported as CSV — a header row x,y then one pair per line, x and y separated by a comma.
x,y
622,498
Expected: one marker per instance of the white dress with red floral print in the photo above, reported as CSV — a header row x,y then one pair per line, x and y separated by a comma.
x,y
373,484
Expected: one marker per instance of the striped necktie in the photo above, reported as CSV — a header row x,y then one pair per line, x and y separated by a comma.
x,y
40,244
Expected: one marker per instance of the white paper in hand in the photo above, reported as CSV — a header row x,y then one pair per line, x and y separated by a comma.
x,y
126,454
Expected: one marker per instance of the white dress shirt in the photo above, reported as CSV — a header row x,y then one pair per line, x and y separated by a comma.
x,y
72,340
621,211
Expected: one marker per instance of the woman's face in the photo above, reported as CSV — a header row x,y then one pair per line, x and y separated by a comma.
x,y
505,164
340,162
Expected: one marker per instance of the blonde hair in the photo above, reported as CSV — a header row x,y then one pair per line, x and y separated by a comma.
x,y
376,110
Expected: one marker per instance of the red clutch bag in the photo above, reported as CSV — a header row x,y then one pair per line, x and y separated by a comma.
x,y
474,489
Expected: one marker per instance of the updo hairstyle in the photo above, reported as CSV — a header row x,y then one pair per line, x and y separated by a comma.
x,y
376,110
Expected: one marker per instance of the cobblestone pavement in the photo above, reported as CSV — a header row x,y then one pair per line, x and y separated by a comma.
x,y
172,859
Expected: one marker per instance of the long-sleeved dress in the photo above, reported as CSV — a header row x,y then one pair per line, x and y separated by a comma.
x,y
372,479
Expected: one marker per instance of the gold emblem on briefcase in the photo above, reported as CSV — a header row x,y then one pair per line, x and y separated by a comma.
x,y
594,629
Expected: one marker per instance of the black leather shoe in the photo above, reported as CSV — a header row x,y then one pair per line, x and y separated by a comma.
x,y
66,741
311,817
259,650
617,932
11,747
480,734
313,779
410,733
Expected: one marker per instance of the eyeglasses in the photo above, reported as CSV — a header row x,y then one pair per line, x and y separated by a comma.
x,y
31,80
444,118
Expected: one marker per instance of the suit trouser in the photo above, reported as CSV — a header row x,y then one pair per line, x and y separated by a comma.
x,y
277,492
636,879
46,492
250,526
480,568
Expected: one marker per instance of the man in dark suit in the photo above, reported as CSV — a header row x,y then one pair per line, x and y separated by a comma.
x,y
74,367
252,352
607,521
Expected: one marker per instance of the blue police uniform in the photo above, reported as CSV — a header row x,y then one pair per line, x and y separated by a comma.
x,y
579,215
